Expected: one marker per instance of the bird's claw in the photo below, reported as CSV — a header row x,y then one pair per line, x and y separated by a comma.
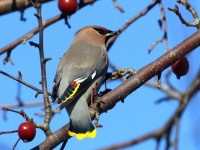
x,y
120,72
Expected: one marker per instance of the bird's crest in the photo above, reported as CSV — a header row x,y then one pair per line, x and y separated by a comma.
x,y
94,27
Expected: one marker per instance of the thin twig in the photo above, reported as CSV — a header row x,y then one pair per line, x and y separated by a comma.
x,y
16,144
8,132
155,43
187,5
18,97
30,34
24,104
47,105
25,116
175,144
166,130
133,83
132,20
21,112
53,112
7,58
165,25
117,6
161,21
24,83
170,93
168,82
63,145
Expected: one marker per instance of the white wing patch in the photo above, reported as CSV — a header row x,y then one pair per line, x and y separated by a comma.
x,y
94,74
79,80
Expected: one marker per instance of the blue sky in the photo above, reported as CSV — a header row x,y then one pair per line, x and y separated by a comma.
x,y
139,114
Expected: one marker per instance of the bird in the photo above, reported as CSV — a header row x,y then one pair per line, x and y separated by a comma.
x,y
83,66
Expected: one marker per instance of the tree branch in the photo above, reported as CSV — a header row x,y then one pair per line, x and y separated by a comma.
x,y
187,5
29,35
129,22
8,6
165,131
147,72
27,104
24,83
47,105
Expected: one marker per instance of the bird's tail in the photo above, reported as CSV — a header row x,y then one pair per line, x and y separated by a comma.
x,y
80,122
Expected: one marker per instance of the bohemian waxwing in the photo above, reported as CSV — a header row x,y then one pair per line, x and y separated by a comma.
x,y
82,66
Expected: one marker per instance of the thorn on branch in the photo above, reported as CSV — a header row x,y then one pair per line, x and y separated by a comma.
x,y
40,92
122,100
160,23
8,59
159,81
164,99
66,22
20,75
118,7
36,95
34,44
46,59
36,15
22,18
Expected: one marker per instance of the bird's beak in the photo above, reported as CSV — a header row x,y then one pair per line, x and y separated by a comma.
x,y
116,33
112,33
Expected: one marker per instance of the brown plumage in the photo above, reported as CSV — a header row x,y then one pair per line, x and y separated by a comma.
x,y
83,65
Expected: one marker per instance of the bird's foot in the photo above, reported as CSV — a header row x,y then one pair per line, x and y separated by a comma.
x,y
120,72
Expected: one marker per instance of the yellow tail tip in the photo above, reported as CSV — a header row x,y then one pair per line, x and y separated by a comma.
x,y
81,136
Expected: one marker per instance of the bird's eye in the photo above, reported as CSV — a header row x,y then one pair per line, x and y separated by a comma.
x,y
101,31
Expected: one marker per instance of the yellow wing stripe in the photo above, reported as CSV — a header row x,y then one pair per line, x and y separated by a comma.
x,y
81,136
73,93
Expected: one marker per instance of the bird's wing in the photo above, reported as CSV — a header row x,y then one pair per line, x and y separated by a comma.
x,y
77,70
56,81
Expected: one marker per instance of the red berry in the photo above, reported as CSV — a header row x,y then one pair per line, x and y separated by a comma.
x,y
67,7
26,131
180,67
